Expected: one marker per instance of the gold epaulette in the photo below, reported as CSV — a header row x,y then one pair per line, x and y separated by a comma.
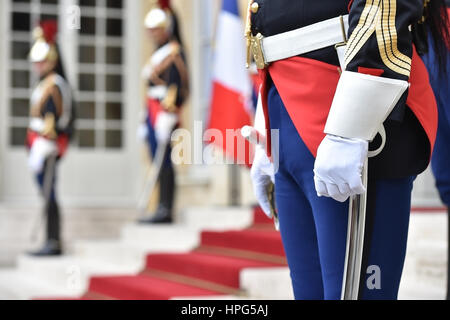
x,y
175,48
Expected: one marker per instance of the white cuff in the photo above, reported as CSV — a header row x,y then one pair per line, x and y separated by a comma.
x,y
37,124
361,104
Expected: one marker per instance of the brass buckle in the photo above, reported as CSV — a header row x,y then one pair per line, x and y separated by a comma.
x,y
344,34
257,50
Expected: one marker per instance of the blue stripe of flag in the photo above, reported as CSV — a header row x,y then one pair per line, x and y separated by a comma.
x,y
230,6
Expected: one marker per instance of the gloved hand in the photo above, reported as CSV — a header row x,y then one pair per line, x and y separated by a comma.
x,y
142,132
41,149
165,123
338,167
262,174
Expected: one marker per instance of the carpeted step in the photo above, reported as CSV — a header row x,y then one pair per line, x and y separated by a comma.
x,y
213,268
141,288
259,217
63,299
257,241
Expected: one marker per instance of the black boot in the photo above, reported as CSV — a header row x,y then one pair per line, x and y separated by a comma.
x,y
164,213
52,247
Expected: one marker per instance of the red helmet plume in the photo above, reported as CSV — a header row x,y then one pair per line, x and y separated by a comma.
x,y
164,4
49,30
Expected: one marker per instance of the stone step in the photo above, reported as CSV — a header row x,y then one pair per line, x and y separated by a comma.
x,y
426,258
217,218
413,288
69,274
131,256
18,225
267,283
427,262
15,285
429,226
161,237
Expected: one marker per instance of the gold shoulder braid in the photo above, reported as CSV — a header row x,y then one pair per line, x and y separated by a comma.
x,y
379,17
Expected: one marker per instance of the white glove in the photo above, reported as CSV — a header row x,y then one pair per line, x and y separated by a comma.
x,y
142,132
262,173
40,150
338,167
165,123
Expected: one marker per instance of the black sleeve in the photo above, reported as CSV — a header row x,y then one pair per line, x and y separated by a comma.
x,y
50,107
380,40
53,104
175,80
178,77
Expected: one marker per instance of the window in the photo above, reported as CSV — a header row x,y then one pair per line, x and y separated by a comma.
x,y
100,75
99,69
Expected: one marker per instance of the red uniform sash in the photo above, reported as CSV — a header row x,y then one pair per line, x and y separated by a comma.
x,y
62,142
154,108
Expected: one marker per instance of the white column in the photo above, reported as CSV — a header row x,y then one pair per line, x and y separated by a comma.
x,y
68,40
133,28
4,79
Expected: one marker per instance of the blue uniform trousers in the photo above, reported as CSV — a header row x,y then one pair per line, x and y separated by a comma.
x,y
153,145
314,229
40,179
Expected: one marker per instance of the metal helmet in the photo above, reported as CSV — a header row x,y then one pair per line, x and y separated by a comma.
x,y
159,16
44,47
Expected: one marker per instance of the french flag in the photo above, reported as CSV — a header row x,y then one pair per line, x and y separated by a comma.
x,y
231,104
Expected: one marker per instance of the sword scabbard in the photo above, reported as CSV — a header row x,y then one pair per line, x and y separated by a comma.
x,y
355,242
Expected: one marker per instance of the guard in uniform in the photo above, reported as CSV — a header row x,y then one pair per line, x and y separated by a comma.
x,y
50,128
167,78
334,74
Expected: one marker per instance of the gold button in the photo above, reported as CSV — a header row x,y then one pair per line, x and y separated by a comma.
x,y
255,7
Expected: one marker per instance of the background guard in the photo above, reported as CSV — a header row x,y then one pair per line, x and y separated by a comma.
x,y
50,129
168,87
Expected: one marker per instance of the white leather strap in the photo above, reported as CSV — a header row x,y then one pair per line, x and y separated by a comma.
x,y
36,124
157,92
303,40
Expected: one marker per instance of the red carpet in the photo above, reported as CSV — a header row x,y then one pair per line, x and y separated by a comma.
x,y
213,269
267,242
141,288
